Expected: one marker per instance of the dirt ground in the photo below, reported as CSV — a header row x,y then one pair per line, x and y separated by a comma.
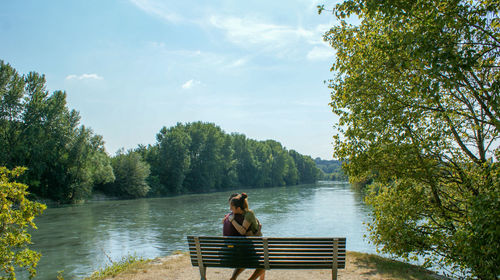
x,y
178,267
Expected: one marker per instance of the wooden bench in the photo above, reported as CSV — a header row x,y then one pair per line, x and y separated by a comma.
x,y
267,253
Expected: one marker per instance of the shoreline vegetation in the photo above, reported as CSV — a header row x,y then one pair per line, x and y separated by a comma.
x,y
100,196
178,266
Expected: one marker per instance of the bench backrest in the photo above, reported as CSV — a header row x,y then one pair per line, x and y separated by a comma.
x,y
267,252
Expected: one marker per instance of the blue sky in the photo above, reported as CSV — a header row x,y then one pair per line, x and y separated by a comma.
x,y
132,66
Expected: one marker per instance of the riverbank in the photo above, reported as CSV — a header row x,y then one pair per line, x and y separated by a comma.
x,y
358,266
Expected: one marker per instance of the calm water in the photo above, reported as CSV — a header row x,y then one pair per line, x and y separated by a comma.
x,y
80,239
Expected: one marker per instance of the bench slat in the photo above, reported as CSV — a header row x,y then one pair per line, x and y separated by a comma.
x,y
273,250
318,246
291,239
282,265
273,254
271,240
277,242
275,260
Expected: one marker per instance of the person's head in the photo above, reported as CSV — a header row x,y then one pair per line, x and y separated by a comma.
x,y
231,197
239,203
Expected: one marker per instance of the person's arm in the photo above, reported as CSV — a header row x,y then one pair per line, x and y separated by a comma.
x,y
242,229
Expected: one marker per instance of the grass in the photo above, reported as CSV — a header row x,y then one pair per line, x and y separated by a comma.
x,y
390,268
128,263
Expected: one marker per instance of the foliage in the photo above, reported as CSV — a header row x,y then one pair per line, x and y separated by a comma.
x,y
204,152
417,90
131,173
38,131
16,216
307,170
332,169
125,264
201,157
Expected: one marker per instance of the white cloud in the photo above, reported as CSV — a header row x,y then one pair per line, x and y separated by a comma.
x,y
282,40
190,84
248,31
158,9
205,58
84,77
321,52
239,62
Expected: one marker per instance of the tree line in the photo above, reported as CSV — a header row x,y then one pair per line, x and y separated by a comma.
x,y
66,162
201,157
332,169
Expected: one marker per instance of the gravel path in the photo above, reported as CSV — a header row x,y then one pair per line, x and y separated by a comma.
x,y
178,267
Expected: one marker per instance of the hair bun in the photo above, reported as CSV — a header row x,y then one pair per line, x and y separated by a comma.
x,y
244,195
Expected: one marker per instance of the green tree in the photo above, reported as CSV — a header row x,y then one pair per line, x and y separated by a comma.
x,y
277,162
151,155
332,169
417,90
86,166
38,131
228,162
307,170
131,174
207,166
174,159
16,216
245,164
291,174
11,107
264,161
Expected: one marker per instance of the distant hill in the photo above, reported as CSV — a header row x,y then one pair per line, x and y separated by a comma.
x,y
332,169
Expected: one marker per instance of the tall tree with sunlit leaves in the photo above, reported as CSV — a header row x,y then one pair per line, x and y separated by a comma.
x,y
16,216
416,87
38,130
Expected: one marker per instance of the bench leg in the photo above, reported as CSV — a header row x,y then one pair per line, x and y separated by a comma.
x,y
203,273
334,257
334,273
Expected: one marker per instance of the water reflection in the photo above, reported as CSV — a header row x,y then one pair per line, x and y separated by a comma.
x,y
80,239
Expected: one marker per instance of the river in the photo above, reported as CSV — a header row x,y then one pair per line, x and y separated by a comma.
x,y
81,239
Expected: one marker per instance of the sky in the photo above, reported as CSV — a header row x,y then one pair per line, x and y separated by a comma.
x,y
131,67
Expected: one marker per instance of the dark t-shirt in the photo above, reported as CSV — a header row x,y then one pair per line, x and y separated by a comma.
x,y
228,228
